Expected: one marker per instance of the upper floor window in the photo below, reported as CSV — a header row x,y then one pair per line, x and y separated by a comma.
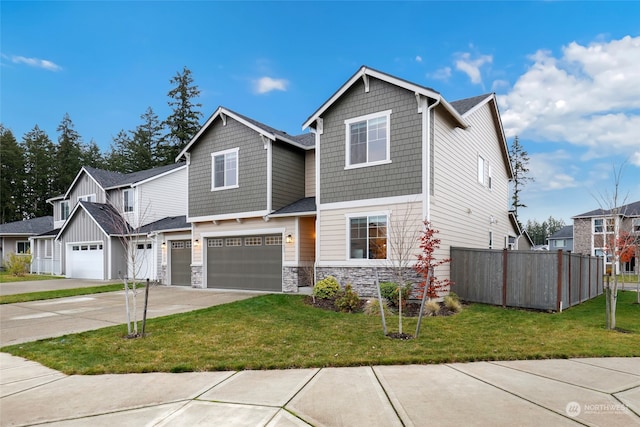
x,y
64,209
635,225
224,173
23,247
368,237
368,140
87,198
599,225
481,169
127,200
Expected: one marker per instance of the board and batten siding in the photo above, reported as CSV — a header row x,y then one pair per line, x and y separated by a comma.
x,y
310,173
288,175
118,259
333,229
86,186
251,194
400,177
82,229
461,207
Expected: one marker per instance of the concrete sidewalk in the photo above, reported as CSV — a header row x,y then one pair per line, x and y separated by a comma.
x,y
598,392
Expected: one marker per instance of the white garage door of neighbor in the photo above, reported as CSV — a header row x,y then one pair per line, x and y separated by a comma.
x,y
144,265
85,261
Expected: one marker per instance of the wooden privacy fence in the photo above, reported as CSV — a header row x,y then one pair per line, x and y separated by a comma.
x,y
527,279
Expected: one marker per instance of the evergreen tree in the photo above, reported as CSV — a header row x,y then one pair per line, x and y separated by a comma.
x,y
92,156
144,147
117,160
39,173
11,177
68,158
520,165
184,121
540,232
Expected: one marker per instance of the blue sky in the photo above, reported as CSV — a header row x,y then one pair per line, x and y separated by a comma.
x,y
567,74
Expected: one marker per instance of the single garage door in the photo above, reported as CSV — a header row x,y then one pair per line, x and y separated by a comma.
x,y
181,262
245,262
85,261
144,267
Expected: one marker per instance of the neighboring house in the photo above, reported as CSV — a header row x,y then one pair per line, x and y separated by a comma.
x,y
383,155
102,215
593,232
561,239
14,236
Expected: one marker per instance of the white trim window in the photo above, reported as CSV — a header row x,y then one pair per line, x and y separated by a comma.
x,y
64,210
224,169
368,237
481,168
127,200
599,225
23,247
635,225
87,198
368,140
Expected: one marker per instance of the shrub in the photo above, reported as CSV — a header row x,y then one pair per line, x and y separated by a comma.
x,y
326,288
348,300
452,303
372,307
389,290
431,307
18,264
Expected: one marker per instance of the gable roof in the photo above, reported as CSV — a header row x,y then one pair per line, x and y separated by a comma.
x,y
30,227
364,73
631,209
463,106
300,141
106,217
108,180
565,232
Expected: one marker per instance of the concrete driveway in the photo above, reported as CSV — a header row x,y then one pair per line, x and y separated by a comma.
x,y
12,288
29,321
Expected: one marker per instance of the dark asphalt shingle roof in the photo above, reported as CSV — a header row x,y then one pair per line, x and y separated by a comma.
x,y
631,209
168,223
51,233
107,217
108,179
308,204
464,105
565,232
32,226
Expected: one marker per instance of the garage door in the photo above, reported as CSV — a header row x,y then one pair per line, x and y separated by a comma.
x,y
245,262
144,266
85,261
181,262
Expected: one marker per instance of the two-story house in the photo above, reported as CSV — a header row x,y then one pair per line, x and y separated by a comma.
x,y
110,225
267,209
594,231
561,239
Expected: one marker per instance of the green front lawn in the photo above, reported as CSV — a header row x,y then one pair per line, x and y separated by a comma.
x,y
280,331
5,277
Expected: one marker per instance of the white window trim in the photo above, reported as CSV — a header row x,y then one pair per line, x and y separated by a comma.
x,y
348,122
490,177
131,200
85,196
28,243
481,174
213,166
364,261
604,220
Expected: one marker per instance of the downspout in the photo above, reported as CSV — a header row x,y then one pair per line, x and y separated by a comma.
x,y
426,155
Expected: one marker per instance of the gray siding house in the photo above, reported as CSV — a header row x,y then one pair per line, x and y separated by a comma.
x,y
561,239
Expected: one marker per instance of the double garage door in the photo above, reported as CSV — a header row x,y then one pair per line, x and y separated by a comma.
x,y
245,262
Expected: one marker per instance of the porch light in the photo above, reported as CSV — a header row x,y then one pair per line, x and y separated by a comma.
x,y
289,238
164,245
196,242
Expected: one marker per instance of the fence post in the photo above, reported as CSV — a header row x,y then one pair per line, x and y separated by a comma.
x,y
570,300
505,262
559,301
589,277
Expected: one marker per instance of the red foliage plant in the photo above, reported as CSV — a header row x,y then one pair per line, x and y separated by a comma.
x,y
428,262
626,247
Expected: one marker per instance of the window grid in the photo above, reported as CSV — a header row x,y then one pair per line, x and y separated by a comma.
x,y
215,243
368,139
273,240
253,241
368,237
233,241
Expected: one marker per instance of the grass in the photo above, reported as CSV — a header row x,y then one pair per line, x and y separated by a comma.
x,y
5,277
280,331
59,293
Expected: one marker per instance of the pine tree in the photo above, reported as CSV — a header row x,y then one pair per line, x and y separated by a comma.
x,y
144,147
11,177
68,158
520,165
39,172
92,156
184,121
117,160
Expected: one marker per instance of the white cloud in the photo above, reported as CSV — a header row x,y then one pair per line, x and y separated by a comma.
x,y
36,62
267,84
442,74
635,158
551,171
418,58
589,96
471,66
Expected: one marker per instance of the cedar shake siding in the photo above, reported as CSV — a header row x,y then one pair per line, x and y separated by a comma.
x,y
288,183
251,194
400,177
